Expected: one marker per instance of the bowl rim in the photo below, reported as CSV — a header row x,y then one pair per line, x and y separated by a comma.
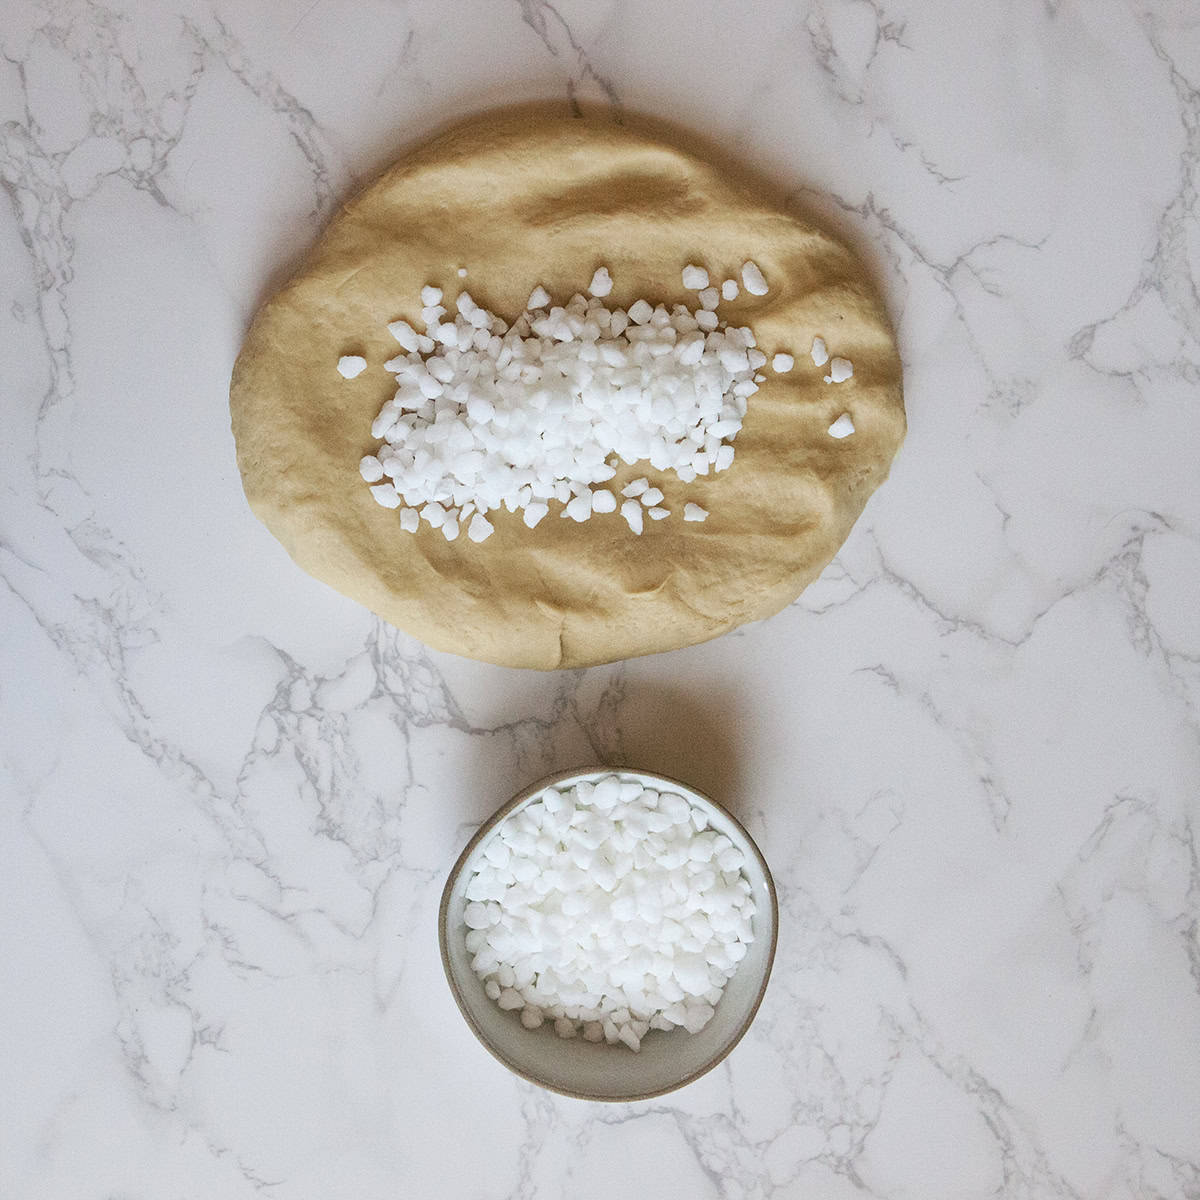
x,y
488,825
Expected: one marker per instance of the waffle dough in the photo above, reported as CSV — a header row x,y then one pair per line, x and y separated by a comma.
x,y
520,200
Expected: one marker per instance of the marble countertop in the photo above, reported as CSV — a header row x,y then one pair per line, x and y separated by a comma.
x,y
228,797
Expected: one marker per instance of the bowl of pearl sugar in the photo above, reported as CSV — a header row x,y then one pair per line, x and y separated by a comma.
x,y
608,934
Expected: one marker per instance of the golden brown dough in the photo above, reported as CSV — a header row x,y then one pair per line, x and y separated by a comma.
x,y
518,201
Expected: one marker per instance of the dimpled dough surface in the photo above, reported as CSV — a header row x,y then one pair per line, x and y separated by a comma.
x,y
520,201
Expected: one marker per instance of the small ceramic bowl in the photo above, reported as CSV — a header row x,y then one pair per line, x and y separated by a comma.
x,y
597,1071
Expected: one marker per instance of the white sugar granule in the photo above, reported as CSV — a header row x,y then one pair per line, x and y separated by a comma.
x,y
840,369
752,279
608,909
601,283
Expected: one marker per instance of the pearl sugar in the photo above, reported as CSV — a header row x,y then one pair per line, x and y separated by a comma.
x,y
608,909
489,415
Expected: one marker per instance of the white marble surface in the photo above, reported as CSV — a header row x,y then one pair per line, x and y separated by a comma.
x,y
970,751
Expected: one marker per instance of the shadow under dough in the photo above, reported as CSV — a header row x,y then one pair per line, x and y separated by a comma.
x,y
689,736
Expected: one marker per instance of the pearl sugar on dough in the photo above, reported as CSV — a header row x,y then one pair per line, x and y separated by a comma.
x,y
350,366
609,909
487,415
840,369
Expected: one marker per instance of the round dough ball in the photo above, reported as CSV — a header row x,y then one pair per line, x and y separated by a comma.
x,y
520,201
